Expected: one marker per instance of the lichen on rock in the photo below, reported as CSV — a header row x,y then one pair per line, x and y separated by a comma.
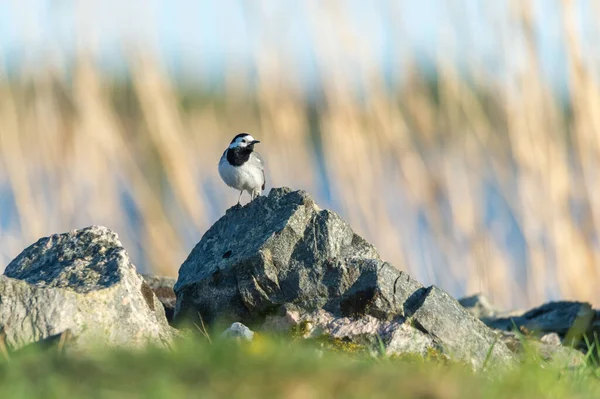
x,y
282,250
83,282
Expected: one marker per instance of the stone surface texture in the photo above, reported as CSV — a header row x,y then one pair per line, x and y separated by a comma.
x,y
81,281
239,332
398,336
163,289
555,330
563,317
283,250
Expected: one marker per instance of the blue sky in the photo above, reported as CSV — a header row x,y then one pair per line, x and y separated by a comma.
x,y
203,36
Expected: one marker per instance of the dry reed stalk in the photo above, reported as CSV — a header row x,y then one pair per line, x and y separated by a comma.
x,y
283,123
17,172
580,254
105,137
166,130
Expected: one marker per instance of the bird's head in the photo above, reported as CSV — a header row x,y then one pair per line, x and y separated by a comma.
x,y
243,140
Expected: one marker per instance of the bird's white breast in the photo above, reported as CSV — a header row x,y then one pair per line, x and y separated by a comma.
x,y
244,177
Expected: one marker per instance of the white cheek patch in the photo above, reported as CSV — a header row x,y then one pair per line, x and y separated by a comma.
x,y
239,143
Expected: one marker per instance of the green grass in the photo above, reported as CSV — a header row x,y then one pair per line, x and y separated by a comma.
x,y
276,368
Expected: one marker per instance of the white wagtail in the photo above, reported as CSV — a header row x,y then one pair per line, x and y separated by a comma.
x,y
242,168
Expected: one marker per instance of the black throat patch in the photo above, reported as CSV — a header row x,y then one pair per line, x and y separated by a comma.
x,y
239,155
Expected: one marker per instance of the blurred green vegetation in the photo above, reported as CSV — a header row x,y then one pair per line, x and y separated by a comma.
x,y
473,179
277,368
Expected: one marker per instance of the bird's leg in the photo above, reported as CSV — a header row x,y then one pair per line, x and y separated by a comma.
x,y
240,197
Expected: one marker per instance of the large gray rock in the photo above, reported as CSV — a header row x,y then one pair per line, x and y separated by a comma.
x,y
81,281
284,250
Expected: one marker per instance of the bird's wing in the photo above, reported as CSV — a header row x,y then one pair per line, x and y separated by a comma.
x,y
223,157
257,160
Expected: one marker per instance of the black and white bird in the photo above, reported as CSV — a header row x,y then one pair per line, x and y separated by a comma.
x,y
242,168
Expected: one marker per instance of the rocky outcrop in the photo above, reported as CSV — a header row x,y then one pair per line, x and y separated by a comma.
x,y
283,250
84,283
278,264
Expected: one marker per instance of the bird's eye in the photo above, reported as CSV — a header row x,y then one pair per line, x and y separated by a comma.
x,y
243,140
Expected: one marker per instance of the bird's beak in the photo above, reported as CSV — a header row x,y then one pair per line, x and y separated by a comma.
x,y
254,142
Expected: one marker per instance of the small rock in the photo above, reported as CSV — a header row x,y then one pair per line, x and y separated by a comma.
x,y
82,282
163,289
563,317
548,347
550,339
398,337
282,321
239,332
478,305
561,355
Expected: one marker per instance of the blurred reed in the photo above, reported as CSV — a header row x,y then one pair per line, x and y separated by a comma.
x,y
466,180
